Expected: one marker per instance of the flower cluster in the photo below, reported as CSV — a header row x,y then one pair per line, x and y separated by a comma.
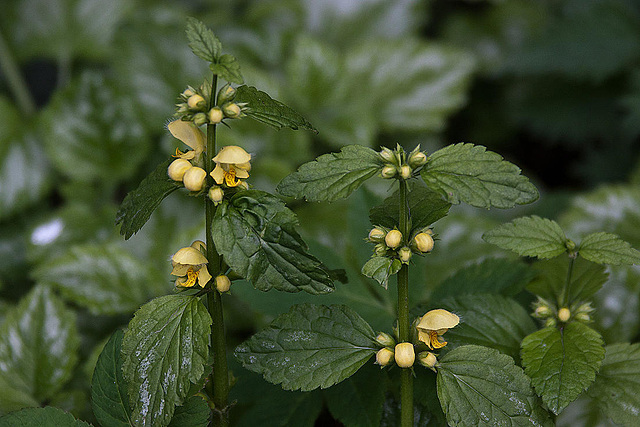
x,y
190,266
398,165
193,105
391,243
553,314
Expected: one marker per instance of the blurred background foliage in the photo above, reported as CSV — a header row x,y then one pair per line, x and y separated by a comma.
x,y
87,86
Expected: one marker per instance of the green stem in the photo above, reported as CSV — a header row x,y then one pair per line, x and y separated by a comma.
x,y
220,375
15,80
404,323
567,284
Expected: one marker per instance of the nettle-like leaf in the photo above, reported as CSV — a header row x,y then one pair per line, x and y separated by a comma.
x,y
311,346
529,236
586,279
195,412
139,204
617,385
469,173
47,416
332,176
562,362
425,208
381,268
607,248
202,41
164,350
481,386
267,110
255,232
228,68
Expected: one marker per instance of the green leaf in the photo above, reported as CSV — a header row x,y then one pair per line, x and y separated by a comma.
x,y
490,321
617,385
562,363
38,345
607,248
255,232
195,412
140,203
380,268
529,236
164,350
480,386
332,176
493,275
311,346
469,173
35,417
425,208
228,68
12,399
202,41
267,110
109,396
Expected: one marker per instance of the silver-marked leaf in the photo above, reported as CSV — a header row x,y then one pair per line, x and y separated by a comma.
x,y
164,351
562,362
255,232
469,173
47,416
332,176
381,268
311,346
227,67
607,248
529,236
202,41
195,412
479,386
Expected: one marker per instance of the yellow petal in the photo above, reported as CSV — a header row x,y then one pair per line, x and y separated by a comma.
x,y
203,276
438,319
180,269
188,133
245,166
218,175
232,154
241,173
189,256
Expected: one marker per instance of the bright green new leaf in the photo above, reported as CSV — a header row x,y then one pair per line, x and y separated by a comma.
x,y
479,386
562,362
228,68
425,208
381,268
195,412
529,236
164,351
38,345
47,416
109,395
607,248
469,173
332,176
255,232
202,41
617,385
586,279
267,110
311,346
140,203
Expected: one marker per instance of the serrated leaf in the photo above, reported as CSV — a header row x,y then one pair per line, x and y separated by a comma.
x,y
479,386
425,208
332,176
562,362
195,412
255,232
607,248
267,110
164,351
47,416
617,385
109,395
140,203
202,41
228,68
311,346
529,236
38,345
381,268
469,173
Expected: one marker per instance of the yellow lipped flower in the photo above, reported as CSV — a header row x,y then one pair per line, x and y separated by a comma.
x,y
232,166
434,324
191,135
190,265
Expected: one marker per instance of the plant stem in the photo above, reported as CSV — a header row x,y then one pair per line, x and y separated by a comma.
x,y
404,324
220,375
15,80
567,284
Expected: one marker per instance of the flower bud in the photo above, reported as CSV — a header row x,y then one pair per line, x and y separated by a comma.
x,y
387,155
428,359
384,356
551,321
199,245
215,115
376,235
215,194
199,119
417,159
380,249
405,355
226,94
222,283
193,178
188,92
393,239
542,311
564,314
231,111
177,168
423,242
582,317
385,339
570,245
404,254
388,171
196,102
405,171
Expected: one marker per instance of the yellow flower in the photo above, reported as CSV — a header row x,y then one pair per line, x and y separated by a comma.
x,y
190,135
434,324
232,166
405,355
191,267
